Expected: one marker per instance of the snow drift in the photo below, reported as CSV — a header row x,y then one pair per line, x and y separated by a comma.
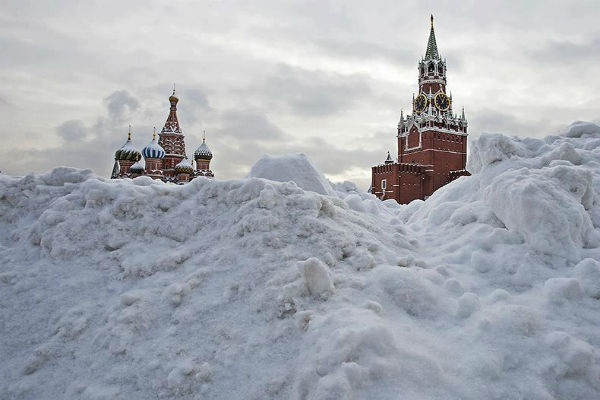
x,y
259,289
296,168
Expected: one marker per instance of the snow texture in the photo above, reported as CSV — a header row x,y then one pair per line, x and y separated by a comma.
x,y
257,289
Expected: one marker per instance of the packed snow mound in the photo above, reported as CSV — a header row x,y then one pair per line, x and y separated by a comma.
x,y
254,289
291,167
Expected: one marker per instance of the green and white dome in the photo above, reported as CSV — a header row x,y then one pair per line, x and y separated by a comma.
x,y
128,151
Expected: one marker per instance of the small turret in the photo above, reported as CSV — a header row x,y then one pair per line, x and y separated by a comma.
x,y
202,156
137,169
389,160
183,170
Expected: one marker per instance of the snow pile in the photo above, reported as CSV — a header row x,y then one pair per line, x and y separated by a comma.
x,y
258,289
291,167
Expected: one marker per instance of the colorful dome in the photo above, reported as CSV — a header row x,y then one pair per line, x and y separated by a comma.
x,y
137,168
203,152
128,151
153,150
184,167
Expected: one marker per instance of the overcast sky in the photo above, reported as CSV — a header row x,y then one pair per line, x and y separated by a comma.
x,y
326,78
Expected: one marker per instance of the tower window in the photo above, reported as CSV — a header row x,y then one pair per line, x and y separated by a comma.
x,y
430,69
440,69
384,184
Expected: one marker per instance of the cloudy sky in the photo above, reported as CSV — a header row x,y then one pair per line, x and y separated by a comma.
x,y
326,78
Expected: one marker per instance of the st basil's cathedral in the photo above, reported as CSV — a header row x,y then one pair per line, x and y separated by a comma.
x,y
165,159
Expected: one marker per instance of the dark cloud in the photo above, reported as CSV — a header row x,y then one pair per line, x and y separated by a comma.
x,y
120,104
73,130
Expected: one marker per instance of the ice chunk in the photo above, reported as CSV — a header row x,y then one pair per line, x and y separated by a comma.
x,y
317,278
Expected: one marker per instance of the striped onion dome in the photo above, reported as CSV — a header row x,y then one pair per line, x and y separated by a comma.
x,y
203,152
128,151
137,168
184,167
153,150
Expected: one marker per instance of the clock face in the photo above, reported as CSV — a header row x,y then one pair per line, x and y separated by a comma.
x,y
442,102
420,103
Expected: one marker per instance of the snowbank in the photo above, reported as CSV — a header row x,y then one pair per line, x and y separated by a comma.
x,y
253,289
291,167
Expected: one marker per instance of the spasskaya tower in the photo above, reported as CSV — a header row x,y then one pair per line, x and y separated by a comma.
x,y
432,141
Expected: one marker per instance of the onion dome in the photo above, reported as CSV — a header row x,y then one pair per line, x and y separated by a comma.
x,y
153,150
137,168
203,152
184,167
128,151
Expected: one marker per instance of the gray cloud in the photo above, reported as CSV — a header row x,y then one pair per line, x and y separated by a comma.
x,y
360,50
487,120
120,104
73,130
248,125
569,51
313,93
195,106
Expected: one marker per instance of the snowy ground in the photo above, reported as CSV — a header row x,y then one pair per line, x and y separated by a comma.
x,y
255,289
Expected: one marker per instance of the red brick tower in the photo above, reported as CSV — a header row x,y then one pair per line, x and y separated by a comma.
x,y
171,139
432,141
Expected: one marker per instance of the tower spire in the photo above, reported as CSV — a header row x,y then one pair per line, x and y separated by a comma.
x,y
172,123
432,50
129,133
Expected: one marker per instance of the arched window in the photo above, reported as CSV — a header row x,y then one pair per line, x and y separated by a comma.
x,y
431,67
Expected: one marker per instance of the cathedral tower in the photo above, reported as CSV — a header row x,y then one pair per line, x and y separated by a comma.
x,y
432,141
202,156
171,139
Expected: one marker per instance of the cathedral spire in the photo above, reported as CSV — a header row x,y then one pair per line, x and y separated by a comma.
x,y
172,123
432,50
